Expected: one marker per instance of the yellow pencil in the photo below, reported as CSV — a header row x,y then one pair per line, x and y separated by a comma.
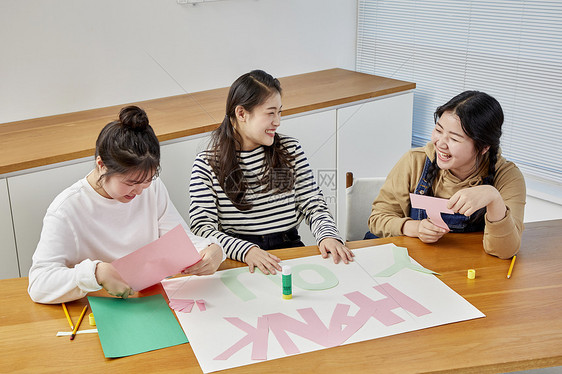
x,y
78,323
511,266
67,316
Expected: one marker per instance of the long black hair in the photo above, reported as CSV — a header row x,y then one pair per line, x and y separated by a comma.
x,y
249,91
481,118
129,146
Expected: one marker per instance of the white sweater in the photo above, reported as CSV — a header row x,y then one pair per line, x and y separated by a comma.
x,y
82,228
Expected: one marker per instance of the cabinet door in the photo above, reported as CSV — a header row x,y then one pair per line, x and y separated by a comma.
x,y
317,135
8,257
371,138
176,161
30,195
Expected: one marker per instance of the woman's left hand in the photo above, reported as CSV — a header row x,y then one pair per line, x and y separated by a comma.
x,y
469,200
211,258
337,249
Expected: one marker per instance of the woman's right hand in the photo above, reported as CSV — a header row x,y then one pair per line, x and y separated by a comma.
x,y
430,233
108,277
266,262
426,231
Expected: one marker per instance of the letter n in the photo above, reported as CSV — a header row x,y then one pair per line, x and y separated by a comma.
x,y
382,309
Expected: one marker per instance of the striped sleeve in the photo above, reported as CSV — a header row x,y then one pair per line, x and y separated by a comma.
x,y
203,214
310,201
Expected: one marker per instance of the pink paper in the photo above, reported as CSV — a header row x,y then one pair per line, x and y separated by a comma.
x,y
314,329
341,327
256,336
201,305
433,206
402,300
382,310
166,256
182,305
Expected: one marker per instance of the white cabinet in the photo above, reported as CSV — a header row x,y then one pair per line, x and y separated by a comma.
x,y
317,135
371,138
30,195
176,161
8,256
366,138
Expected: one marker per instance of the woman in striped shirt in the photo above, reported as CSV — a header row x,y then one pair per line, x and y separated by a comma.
x,y
253,187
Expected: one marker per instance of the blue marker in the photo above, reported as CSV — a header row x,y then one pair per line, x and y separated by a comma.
x,y
287,282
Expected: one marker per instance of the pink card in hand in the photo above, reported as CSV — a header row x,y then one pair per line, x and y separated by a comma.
x,y
166,256
433,206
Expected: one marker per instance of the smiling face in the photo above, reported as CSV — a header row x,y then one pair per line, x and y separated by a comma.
x,y
121,187
258,127
124,188
455,150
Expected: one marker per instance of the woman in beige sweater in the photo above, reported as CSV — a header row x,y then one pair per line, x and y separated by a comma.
x,y
462,163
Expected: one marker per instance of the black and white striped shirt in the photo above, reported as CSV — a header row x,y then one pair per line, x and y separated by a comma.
x,y
212,213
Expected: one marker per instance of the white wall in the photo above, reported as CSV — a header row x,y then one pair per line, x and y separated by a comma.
x,y
541,210
544,199
70,55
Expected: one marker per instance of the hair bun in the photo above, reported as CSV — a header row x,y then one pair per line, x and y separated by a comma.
x,y
134,118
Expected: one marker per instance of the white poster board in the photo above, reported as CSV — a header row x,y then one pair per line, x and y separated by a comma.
x,y
245,319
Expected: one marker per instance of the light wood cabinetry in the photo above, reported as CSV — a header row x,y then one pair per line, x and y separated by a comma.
x,y
344,120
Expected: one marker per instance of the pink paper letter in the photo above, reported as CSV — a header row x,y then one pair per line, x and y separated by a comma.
x,y
257,336
382,309
201,305
314,329
433,206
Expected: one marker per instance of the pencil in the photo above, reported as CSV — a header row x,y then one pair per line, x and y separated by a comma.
x,y
78,323
511,266
67,316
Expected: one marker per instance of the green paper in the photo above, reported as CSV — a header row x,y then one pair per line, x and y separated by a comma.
x,y
136,325
401,261
330,279
230,279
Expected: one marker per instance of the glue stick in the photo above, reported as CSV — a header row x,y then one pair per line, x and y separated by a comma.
x,y
287,282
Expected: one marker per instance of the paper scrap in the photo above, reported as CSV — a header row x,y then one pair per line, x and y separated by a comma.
x,y
182,305
201,305
135,325
68,333
433,206
402,261
186,305
166,256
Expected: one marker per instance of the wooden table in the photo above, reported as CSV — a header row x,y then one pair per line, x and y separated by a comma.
x,y
522,328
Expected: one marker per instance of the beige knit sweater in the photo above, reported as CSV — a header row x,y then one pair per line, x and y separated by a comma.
x,y
391,208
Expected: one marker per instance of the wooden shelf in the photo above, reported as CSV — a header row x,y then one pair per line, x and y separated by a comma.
x,y
49,140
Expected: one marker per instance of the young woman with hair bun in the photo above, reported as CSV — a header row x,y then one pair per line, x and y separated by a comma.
x,y
461,163
117,208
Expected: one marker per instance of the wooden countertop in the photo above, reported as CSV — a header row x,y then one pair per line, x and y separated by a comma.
x,y
48,140
522,328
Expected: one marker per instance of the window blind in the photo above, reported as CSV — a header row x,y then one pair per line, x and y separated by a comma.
x,y
511,50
